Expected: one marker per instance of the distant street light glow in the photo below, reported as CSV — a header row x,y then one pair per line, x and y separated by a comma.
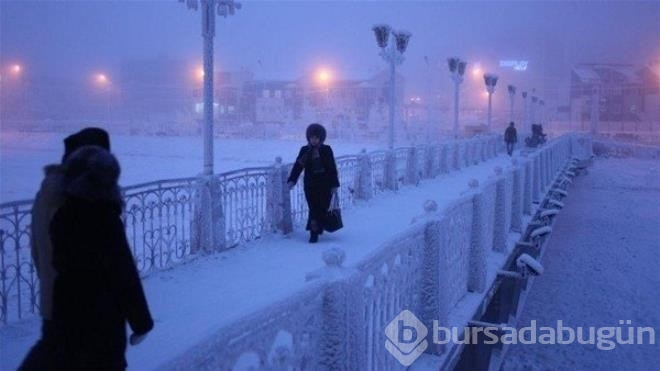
x,y
323,76
101,79
15,69
199,73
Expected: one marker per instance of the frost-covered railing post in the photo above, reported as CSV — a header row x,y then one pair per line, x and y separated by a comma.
x,y
465,154
365,186
477,269
500,223
208,223
434,300
456,156
278,199
476,151
483,149
430,163
412,174
444,159
517,201
391,181
527,185
536,186
341,321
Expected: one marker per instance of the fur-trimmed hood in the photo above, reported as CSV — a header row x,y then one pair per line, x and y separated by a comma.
x,y
91,173
315,130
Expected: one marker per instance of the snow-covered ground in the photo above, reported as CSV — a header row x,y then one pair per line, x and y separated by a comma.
x,y
192,301
144,158
602,265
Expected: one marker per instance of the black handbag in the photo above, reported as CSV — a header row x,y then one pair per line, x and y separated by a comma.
x,y
332,221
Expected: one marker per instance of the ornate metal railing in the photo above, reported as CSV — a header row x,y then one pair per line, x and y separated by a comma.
x,y
19,285
377,160
157,218
244,203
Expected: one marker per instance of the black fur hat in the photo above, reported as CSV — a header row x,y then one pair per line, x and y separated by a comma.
x,y
86,137
316,130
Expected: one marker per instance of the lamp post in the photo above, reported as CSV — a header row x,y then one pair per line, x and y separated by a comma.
x,y
490,80
209,10
394,56
512,95
457,69
535,100
525,118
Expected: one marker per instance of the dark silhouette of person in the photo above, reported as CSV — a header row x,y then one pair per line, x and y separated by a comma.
x,y
321,180
97,288
47,201
510,137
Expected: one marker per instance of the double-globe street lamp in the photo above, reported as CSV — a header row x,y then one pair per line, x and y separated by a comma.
x,y
490,80
457,69
394,56
209,10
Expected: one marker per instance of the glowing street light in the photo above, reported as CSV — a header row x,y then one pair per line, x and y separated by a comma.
x,y
457,69
15,69
476,72
209,9
199,73
323,76
394,56
490,80
101,79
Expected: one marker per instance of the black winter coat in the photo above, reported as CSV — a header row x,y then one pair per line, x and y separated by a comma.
x,y
97,289
510,135
324,176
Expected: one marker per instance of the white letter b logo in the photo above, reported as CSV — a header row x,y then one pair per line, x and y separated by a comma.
x,y
406,338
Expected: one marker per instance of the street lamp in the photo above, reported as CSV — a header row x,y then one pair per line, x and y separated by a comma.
x,y
525,109
16,69
535,100
394,56
512,94
457,69
103,83
490,80
209,8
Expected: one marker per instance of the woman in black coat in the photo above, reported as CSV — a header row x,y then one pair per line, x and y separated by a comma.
x,y
320,181
97,288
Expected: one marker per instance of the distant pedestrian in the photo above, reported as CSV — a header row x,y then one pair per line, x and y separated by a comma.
x,y
510,137
97,289
321,180
47,201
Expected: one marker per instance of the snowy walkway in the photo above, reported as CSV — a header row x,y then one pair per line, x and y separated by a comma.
x,y
602,265
193,301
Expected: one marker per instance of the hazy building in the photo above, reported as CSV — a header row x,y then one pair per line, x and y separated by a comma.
x,y
619,89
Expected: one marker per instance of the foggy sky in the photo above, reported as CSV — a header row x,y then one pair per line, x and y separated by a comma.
x,y
66,38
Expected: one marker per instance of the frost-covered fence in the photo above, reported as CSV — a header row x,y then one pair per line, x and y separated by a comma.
x,y
168,221
439,268
157,221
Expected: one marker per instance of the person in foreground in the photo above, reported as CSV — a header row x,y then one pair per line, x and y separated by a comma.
x,y
320,181
97,288
47,201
